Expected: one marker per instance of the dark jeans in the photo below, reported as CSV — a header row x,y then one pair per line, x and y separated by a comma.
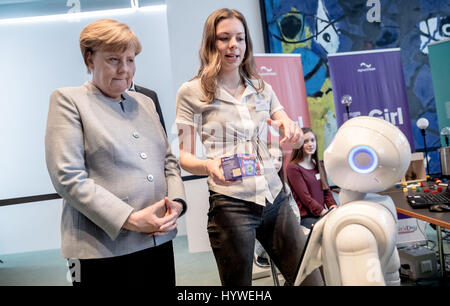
x,y
234,224
308,221
150,267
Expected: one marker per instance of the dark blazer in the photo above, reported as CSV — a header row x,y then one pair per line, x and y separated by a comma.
x,y
152,95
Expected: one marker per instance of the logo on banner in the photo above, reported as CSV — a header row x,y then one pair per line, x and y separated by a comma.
x,y
395,117
264,71
366,67
351,115
406,229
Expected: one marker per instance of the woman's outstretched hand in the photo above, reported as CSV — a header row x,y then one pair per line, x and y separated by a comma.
x,y
289,130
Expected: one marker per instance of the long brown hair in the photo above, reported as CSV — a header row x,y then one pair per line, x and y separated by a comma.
x,y
210,62
297,156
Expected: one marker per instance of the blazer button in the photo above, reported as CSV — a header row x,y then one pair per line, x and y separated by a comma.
x,y
143,155
150,178
136,135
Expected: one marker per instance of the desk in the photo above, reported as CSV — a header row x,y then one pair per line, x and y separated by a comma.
x,y
440,219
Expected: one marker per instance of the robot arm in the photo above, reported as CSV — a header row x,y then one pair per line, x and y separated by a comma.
x,y
358,257
391,275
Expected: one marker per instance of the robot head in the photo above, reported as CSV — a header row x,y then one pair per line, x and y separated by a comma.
x,y
367,154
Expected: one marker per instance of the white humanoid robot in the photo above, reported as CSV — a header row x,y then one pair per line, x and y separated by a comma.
x,y
356,243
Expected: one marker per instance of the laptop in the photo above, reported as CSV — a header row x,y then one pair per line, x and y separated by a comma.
x,y
425,200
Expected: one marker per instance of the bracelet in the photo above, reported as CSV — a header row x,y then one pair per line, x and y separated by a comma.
x,y
183,203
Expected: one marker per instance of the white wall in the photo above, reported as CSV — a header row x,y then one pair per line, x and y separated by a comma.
x,y
30,227
185,21
39,57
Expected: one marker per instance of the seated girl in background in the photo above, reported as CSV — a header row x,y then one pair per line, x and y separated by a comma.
x,y
261,256
308,181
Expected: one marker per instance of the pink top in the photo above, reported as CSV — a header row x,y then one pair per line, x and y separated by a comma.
x,y
307,190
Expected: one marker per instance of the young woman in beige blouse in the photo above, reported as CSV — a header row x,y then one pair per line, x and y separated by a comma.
x,y
229,106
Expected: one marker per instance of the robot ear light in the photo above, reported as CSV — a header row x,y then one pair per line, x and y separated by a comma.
x,y
363,159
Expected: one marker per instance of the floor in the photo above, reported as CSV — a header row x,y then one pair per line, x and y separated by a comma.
x,y
48,268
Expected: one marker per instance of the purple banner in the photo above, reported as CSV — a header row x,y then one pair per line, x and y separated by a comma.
x,y
372,83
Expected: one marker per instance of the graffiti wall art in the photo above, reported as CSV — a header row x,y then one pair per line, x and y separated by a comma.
x,y
316,28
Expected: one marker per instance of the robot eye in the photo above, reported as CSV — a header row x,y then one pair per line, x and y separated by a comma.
x,y
363,159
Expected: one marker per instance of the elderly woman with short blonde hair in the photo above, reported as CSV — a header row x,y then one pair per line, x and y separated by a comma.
x,y
109,159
